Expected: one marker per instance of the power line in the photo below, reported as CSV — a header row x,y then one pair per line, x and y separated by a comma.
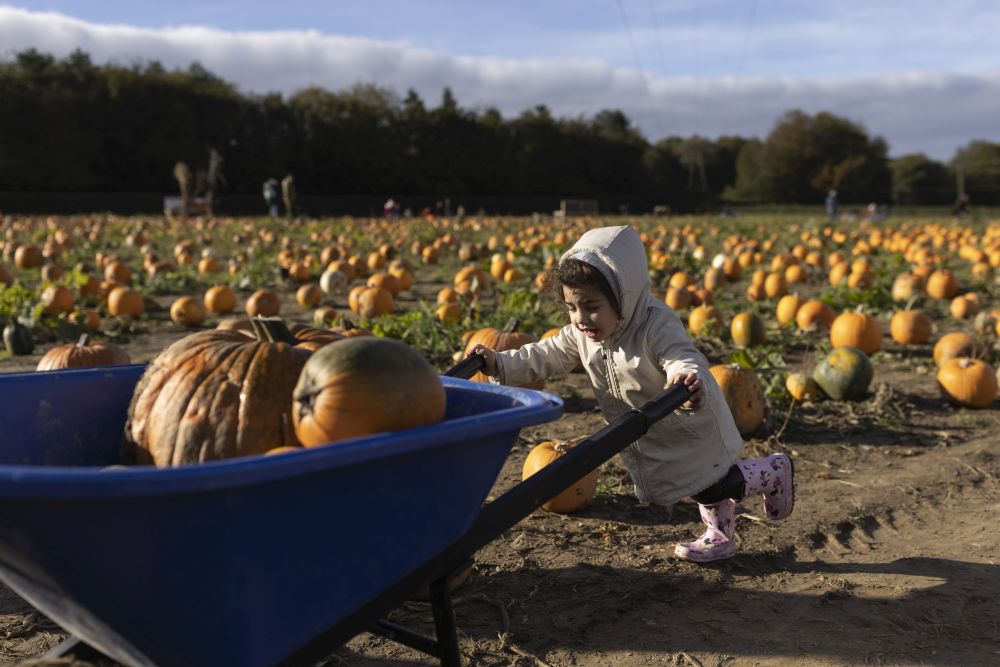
x,y
638,64
659,51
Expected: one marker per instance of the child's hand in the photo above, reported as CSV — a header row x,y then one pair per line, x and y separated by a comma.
x,y
693,383
490,356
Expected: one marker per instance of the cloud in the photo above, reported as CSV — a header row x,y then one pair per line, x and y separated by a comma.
x,y
926,111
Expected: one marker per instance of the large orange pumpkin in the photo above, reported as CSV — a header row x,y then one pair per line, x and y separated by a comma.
x,y
744,395
83,355
574,498
365,385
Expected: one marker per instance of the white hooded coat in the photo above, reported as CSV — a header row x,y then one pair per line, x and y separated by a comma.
x,y
685,452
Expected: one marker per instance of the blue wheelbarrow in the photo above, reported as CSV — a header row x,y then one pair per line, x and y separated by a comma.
x,y
274,560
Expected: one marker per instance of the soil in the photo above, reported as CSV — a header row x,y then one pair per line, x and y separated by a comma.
x,y
890,557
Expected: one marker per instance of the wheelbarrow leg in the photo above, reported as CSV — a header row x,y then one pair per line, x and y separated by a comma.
x,y
444,623
444,646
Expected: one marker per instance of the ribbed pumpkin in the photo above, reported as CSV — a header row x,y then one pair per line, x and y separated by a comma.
x,y
216,394
954,345
744,395
845,374
365,385
500,340
967,382
910,327
577,496
83,355
856,329
747,329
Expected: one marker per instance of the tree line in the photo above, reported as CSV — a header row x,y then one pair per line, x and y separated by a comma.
x,y
68,125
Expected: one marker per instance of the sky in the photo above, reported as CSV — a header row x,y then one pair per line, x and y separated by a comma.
x,y
922,74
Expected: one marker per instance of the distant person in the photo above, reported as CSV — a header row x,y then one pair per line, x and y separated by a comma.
x,y
390,209
272,196
831,205
961,207
632,345
288,194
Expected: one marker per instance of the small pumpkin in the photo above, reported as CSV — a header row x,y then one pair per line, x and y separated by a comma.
x,y
967,382
787,308
801,387
953,345
747,329
856,329
187,311
814,315
18,339
220,299
83,355
124,301
910,327
578,495
263,303
705,320
362,386
744,395
845,374
942,284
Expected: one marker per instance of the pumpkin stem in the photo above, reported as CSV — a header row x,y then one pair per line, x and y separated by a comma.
x,y
83,340
259,331
511,325
913,300
274,329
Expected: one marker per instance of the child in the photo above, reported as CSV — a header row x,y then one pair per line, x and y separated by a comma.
x,y
632,346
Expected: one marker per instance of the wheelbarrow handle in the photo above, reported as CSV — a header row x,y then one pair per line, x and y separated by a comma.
x,y
467,367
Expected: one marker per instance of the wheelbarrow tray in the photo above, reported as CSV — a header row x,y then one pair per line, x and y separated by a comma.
x,y
235,562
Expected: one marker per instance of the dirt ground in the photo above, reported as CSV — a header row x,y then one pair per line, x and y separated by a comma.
x,y
890,557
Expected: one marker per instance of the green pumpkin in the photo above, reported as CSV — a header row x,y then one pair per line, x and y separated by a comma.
x,y
845,374
17,338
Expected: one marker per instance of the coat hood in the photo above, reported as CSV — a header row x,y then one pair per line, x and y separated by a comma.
x,y
618,253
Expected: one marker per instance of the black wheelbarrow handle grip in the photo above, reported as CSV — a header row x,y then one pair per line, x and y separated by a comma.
x,y
467,367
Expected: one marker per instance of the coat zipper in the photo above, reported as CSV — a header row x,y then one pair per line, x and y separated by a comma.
x,y
616,392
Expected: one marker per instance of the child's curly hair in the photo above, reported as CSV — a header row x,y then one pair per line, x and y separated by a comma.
x,y
574,273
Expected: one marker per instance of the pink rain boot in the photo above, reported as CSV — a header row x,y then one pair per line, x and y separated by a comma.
x,y
719,541
772,476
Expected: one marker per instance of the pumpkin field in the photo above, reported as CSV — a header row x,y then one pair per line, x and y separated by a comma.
x,y
865,350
